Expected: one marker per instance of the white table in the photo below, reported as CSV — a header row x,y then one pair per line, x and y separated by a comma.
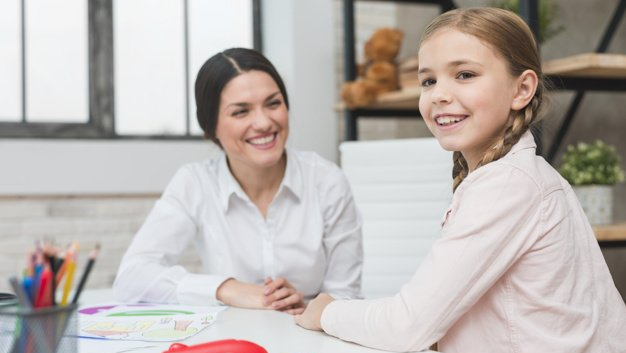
x,y
274,331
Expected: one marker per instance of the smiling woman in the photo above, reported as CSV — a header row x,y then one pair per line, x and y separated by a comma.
x,y
273,226
253,124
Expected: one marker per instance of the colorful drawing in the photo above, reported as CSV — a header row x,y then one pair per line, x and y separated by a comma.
x,y
145,322
116,330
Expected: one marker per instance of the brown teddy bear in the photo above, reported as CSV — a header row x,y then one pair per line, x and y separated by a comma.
x,y
379,73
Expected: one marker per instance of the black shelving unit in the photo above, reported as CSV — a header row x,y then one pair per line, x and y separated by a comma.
x,y
582,84
529,10
351,116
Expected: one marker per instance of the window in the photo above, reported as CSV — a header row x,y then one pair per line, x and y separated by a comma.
x,y
112,68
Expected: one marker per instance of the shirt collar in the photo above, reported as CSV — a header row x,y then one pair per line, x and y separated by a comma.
x,y
526,141
293,176
228,185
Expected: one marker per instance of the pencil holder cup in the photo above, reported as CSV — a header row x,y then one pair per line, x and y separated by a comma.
x,y
45,330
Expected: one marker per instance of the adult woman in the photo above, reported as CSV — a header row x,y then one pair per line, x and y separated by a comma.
x,y
273,226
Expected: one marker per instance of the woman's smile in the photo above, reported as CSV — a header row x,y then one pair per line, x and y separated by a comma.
x,y
265,141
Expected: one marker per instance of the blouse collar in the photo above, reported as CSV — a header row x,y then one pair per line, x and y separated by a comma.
x,y
229,186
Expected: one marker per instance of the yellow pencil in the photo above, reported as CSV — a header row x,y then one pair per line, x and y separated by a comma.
x,y
71,266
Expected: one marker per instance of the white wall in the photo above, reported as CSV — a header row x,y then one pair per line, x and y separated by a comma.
x,y
298,39
62,167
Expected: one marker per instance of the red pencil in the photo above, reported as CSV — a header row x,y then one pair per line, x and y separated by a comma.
x,y
43,298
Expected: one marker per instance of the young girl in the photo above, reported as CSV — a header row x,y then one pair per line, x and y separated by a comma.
x,y
517,268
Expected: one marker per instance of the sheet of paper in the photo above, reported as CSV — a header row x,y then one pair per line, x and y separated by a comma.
x,y
144,322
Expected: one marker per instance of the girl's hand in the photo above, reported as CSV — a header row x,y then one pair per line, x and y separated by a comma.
x,y
311,318
279,294
240,294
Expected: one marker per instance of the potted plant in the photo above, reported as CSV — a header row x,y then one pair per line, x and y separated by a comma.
x,y
592,169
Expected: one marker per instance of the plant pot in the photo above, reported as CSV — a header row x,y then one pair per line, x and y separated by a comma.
x,y
597,202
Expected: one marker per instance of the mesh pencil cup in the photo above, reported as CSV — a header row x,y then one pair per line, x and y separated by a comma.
x,y
45,330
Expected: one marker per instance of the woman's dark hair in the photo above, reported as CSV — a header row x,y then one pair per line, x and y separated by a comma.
x,y
215,74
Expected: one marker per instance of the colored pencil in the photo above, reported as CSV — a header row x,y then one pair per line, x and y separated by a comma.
x,y
71,267
83,279
22,297
45,282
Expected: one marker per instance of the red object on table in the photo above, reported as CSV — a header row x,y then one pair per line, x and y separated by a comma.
x,y
222,346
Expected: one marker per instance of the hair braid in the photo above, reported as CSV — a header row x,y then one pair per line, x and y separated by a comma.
x,y
459,169
518,124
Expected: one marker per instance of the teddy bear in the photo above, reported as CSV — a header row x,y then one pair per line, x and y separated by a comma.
x,y
379,73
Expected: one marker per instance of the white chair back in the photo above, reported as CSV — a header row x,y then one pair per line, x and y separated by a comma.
x,y
402,189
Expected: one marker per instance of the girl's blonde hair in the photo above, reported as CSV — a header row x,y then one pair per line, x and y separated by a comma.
x,y
509,36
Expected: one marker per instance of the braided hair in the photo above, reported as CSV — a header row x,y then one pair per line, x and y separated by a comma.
x,y
511,38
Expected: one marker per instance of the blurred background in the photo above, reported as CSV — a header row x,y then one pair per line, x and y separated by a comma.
x,y
97,108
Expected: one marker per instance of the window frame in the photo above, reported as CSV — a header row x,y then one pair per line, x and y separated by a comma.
x,y
101,120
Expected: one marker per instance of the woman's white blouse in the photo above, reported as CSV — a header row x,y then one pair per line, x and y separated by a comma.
x,y
311,235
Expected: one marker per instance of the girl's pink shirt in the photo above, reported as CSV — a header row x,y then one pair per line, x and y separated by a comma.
x,y
517,269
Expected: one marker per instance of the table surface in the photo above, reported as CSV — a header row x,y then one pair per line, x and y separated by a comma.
x,y
274,331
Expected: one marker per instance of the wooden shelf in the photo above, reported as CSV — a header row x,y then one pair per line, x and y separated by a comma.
x,y
611,66
610,232
588,65
406,98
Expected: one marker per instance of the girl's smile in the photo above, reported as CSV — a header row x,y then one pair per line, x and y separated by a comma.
x,y
467,92
445,120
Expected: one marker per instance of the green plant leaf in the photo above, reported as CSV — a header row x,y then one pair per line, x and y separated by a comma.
x,y
591,164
